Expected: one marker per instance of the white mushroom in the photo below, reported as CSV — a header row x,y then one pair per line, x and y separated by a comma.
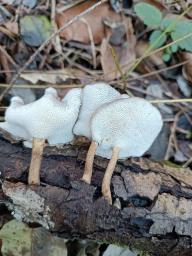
x,y
45,119
93,96
122,128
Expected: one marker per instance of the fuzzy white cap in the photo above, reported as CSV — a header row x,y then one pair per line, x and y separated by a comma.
x,y
47,118
93,96
131,124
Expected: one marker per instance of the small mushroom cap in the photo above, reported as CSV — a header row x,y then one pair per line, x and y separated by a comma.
x,y
93,96
51,91
47,118
16,101
131,124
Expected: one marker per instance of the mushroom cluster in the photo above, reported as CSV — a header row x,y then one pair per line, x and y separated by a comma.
x,y
118,126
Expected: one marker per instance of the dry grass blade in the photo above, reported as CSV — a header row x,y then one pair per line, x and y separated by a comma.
x,y
172,101
172,135
158,71
43,86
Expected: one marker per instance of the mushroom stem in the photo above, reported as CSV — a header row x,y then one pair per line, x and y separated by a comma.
x,y
89,162
34,170
108,174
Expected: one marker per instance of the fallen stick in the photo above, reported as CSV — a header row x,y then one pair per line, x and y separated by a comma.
x,y
151,208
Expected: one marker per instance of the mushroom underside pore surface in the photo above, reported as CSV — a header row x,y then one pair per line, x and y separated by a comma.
x,y
93,96
122,128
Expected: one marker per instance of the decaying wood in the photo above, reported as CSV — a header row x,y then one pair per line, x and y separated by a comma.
x,y
152,202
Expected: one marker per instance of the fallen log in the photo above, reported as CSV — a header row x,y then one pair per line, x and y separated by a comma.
x,y
152,202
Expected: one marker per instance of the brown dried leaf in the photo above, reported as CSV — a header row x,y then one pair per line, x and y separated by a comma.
x,y
116,60
152,60
12,27
53,77
78,31
187,68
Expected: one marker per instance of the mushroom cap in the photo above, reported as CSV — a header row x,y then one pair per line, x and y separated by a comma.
x,y
93,96
47,118
131,124
16,100
71,102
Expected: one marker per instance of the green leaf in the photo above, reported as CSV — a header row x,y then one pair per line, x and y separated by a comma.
x,y
168,24
166,57
174,48
35,29
168,50
149,14
182,29
157,38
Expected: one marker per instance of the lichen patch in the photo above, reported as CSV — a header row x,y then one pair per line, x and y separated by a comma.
x,y
26,204
144,185
171,213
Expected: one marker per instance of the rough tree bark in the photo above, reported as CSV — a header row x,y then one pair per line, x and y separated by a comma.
x,y
152,208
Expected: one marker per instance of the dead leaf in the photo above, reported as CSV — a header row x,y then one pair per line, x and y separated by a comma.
x,y
187,68
12,27
78,31
116,60
153,59
183,86
7,32
53,77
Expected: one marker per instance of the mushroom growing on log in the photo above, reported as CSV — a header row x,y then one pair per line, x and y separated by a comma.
x,y
122,128
48,119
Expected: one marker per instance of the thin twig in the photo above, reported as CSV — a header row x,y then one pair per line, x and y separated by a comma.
x,y
152,52
10,59
5,66
158,71
42,86
44,58
46,42
90,33
18,10
189,161
128,80
116,61
172,135
56,40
